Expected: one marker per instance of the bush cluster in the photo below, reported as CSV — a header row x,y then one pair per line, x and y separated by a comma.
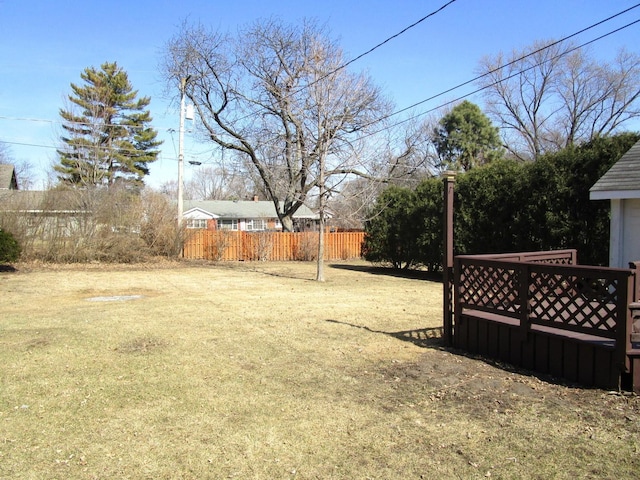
x,y
9,247
110,225
505,206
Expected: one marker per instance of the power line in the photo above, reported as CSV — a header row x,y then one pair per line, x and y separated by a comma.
x,y
449,90
387,40
24,144
394,36
87,124
515,74
475,79
54,147
457,86
341,67
373,122
345,65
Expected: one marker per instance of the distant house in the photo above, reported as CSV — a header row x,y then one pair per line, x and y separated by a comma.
x,y
621,185
43,213
8,180
40,214
242,215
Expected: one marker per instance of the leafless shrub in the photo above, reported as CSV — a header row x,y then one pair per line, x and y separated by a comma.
x,y
219,243
159,228
262,244
307,247
84,225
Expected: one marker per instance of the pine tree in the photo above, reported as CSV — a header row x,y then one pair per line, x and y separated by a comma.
x,y
465,138
107,136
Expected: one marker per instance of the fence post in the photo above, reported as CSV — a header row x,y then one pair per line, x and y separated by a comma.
x,y
624,320
635,266
525,308
634,336
633,351
447,262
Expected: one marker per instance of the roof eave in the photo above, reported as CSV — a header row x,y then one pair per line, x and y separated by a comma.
x,y
614,194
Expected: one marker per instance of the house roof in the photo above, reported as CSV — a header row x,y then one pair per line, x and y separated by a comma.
x,y
198,213
8,178
622,180
243,209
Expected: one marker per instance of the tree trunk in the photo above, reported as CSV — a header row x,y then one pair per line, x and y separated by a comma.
x,y
321,185
320,261
287,224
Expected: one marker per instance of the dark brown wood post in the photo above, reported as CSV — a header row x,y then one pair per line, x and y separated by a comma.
x,y
635,266
625,284
633,348
447,262
523,298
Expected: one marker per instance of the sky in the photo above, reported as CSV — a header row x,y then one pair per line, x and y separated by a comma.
x,y
45,45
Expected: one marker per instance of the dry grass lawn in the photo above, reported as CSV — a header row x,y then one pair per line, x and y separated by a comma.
x,y
254,371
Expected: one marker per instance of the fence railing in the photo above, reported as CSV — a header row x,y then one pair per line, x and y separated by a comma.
x,y
562,257
545,291
224,245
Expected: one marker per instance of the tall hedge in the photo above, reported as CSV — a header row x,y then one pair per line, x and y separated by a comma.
x,y
505,206
486,208
391,232
428,216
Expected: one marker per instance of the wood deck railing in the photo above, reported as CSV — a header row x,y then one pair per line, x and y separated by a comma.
x,y
562,257
548,292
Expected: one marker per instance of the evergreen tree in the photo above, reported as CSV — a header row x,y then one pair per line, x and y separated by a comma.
x,y
392,230
9,247
107,134
465,138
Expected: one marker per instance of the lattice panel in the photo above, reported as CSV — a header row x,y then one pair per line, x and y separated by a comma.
x,y
554,261
580,302
490,287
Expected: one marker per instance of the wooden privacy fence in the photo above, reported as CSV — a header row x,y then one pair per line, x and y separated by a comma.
x,y
545,313
225,245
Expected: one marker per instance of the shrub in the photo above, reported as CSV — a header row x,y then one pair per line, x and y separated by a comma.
x,y
392,230
307,248
159,228
9,247
504,206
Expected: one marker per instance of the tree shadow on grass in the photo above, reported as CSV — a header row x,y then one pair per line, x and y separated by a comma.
x,y
391,272
422,337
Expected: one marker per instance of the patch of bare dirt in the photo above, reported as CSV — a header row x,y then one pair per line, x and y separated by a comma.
x,y
481,388
141,345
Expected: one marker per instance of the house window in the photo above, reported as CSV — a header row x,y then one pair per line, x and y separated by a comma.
x,y
197,223
255,225
228,224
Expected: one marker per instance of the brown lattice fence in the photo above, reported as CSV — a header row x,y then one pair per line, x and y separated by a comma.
x,y
541,311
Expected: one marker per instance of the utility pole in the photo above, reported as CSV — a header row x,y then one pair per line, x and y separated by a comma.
x,y
183,84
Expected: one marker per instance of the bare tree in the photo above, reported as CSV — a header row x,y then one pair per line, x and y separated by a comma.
x,y
276,94
23,169
552,95
5,154
219,183
404,156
